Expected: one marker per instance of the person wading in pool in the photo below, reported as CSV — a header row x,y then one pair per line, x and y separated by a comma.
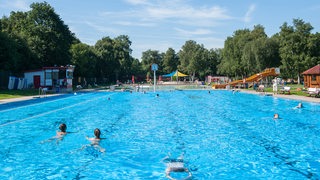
x,y
95,141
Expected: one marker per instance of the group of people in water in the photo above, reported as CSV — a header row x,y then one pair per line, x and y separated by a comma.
x,y
94,140
276,115
173,165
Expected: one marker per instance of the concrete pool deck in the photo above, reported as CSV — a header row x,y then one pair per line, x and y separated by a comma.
x,y
285,96
25,98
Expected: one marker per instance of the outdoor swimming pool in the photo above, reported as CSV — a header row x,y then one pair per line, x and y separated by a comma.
x,y
222,136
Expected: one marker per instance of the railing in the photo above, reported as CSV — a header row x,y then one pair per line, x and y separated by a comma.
x,y
42,92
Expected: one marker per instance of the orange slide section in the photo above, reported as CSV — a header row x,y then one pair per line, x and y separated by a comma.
x,y
255,77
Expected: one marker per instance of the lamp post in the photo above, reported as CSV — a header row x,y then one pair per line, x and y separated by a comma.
x,y
154,68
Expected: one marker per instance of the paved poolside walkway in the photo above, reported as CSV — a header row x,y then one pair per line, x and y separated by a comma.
x,y
286,96
24,98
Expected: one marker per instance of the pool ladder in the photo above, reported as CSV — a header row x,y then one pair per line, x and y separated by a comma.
x,y
43,92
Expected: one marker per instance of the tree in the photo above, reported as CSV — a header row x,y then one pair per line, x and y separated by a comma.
x,y
15,55
248,52
45,33
85,60
107,65
190,57
170,61
123,55
49,37
150,57
214,58
313,46
294,49
232,63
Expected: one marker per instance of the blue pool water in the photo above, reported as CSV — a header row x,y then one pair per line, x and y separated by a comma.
x,y
222,136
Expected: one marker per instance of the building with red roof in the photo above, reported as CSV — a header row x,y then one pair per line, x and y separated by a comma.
x,y
312,77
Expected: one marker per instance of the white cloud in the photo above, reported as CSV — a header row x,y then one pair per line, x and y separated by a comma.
x,y
137,2
104,29
195,32
188,12
210,42
130,23
247,17
14,5
171,11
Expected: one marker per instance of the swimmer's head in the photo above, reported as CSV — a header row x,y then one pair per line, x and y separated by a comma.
x,y
276,116
63,127
97,133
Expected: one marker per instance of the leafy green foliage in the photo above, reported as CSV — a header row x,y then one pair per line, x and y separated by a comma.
x,y
170,61
298,48
39,37
150,57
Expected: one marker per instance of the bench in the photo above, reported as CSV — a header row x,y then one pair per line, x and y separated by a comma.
x,y
285,89
314,91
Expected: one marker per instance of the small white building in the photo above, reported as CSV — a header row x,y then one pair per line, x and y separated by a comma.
x,y
217,79
54,78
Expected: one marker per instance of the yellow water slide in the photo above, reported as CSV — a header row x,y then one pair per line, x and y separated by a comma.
x,y
256,77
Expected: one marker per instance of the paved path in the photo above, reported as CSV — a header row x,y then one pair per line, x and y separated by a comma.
x,y
24,98
286,96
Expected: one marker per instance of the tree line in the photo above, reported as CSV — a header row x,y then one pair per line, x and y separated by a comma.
x,y
39,38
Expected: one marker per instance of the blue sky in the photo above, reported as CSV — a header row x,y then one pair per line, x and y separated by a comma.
x,y
160,24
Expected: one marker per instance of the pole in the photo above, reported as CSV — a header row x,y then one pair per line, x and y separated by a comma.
x,y
154,81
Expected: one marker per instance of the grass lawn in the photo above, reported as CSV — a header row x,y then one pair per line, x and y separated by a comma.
x,y
6,94
296,89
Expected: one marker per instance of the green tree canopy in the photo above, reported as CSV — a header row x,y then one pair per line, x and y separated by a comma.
x,y
296,52
44,32
150,57
85,60
170,61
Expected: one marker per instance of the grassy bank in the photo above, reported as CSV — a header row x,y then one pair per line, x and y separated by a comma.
x,y
7,94
295,89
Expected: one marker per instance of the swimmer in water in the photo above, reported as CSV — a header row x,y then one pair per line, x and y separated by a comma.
x,y
176,165
276,116
59,134
95,141
63,130
299,105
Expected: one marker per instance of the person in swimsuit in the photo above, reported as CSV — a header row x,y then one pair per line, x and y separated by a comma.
x,y
299,105
59,134
95,141
63,130
176,165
